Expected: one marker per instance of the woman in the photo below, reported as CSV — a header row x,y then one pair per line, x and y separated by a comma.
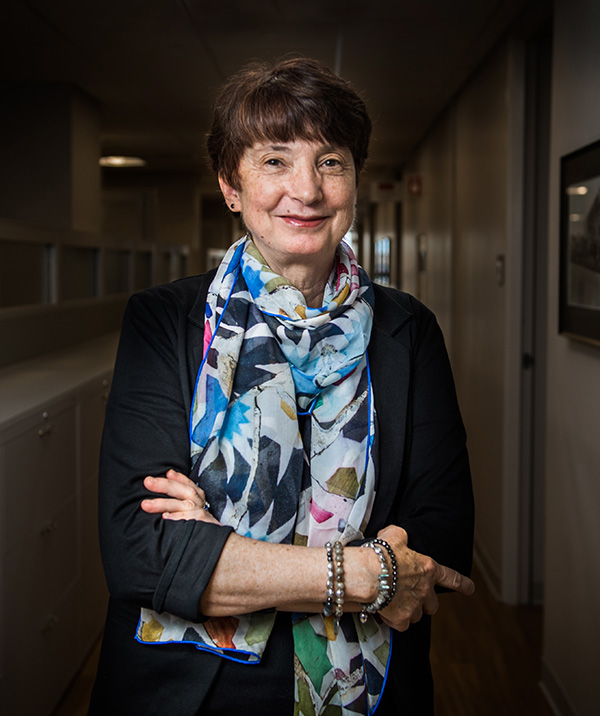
x,y
265,421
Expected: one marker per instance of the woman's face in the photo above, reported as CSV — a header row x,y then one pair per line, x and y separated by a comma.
x,y
297,199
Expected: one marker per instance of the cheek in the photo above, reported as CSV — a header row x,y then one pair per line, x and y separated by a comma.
x,y
261,198
345,200
344,192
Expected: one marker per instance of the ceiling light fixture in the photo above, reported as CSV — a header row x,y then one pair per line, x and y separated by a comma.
x,y
120,161
577,190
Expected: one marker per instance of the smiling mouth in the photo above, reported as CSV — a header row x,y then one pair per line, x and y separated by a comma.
x,y
303,221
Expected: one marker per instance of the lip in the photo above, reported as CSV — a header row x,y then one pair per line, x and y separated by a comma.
x,y
305,222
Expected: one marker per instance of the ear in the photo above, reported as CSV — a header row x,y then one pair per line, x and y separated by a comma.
x,y
231,195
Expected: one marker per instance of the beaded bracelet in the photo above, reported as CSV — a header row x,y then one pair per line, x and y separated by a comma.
x,y
334,606
394,564
328,606
384,588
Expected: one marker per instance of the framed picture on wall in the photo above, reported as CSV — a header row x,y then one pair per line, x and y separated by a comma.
x,y
579,311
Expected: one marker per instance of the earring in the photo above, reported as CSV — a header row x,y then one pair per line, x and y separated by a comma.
x,y
232,205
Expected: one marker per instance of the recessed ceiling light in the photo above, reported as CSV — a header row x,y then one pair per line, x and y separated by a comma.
x,y
577,190
118,161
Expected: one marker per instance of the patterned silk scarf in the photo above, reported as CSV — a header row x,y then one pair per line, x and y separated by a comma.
x,y
281,435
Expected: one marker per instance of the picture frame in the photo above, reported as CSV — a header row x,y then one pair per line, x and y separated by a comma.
x,y
579,295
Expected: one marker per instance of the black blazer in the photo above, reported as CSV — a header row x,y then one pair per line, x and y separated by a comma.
x,y
423,485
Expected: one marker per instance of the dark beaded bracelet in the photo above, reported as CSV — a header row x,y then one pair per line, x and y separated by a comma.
x,y
383,586
392,556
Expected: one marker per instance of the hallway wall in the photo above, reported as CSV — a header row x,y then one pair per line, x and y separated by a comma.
x,y
572,546
75,242
428,224
473,156
461,219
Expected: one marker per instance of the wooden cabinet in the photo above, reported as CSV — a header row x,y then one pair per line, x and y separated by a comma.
x,y
92,595
52,591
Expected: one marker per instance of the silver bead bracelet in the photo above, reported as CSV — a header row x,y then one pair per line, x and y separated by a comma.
x,y
334,606
385,588
394,564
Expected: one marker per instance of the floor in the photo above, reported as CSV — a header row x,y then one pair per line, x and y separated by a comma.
x,y
485,658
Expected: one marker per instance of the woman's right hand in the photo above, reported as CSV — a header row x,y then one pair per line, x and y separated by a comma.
x,y
418,576
182,498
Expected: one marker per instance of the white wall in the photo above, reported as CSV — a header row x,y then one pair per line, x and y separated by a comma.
x,y
572,546
461,218
428,219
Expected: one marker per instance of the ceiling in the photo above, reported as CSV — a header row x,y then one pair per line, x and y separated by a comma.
x,y
155,65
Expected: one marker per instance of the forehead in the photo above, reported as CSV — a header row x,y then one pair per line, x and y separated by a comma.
x,y
298,146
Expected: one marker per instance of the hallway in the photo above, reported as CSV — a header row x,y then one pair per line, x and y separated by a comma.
x,y
485,657
468,202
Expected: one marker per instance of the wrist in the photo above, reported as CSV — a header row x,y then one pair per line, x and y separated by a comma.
x,y
387,577
362,574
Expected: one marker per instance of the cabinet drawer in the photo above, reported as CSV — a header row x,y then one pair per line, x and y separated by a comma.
x,y
40,658
39,570
39,473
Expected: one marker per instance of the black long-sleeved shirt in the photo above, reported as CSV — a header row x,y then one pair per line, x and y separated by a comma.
x,y
423,485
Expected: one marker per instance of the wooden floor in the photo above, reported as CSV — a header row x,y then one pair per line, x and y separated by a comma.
x,y
485,658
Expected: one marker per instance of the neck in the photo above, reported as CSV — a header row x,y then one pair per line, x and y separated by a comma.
x,y
310,280
308,274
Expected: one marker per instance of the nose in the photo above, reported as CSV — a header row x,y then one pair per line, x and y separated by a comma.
x,y
306,184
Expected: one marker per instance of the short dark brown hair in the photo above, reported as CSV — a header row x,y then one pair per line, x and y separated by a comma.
x,y
296,98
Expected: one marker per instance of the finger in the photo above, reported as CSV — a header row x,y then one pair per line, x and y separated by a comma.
x,y
397,624
160,484
416,615
201,515
451,579
185,515
180,477
156,505
431,604
188,491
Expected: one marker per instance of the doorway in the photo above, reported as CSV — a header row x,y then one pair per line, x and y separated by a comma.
x,y
538,65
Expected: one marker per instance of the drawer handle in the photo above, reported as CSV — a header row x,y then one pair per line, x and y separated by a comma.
x,y
44,432
51,624
48,529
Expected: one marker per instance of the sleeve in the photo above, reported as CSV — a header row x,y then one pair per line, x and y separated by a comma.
x,y
435,505
156,563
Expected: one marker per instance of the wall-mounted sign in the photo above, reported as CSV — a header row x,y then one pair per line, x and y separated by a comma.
x,y
382,191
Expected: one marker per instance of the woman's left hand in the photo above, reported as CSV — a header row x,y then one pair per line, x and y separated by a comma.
x,y
418,575
184,499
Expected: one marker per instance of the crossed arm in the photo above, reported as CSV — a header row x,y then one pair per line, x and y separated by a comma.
x,y
169,564
252,575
